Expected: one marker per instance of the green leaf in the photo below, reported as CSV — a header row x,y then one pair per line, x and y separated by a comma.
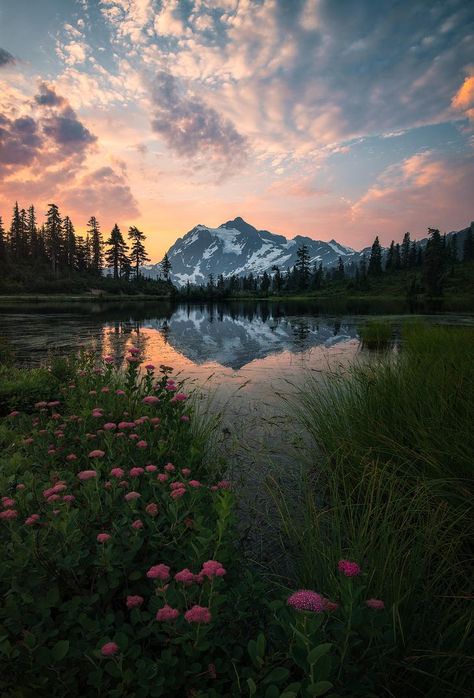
x,y
252,687
322,667
277,675
318,652
319,689
60,650
261,644
112,669
272,692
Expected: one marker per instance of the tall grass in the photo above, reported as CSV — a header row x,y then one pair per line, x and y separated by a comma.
x,y
376,334
391,487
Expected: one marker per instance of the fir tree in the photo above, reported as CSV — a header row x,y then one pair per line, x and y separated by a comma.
x,y
96,246
114,256
265,282
54,240
434,262
468,247
166,267
375,261
405,250
340,269
33,233
15,233
277,279
69,243
138,253
3,244
390,258
302,267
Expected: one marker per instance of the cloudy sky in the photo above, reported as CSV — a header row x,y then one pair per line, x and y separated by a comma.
x,y
329,118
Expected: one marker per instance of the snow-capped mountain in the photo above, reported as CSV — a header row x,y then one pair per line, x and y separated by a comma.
x,y
236,247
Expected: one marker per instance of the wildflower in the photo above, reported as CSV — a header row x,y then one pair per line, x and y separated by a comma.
x,y
348,568
86,474
169,467
162,477
134,350
188,522
133,359
133,436
137,524
375,604
179,397
131,496
103,537
330,605
186,471
152,509
97,454
198,614
212,568
32,520
108,359
151,400
155,420
41,404
167,613
194,483
142,444
98,413
8,514
177,486
159,572
185,576
108,485
54,403
134,601
136,472
8,501
109,649
110,426
177,494
126,425
92,392
71,457
117,472
123,483
69,498
105,389
150,367
120,392
184,418
306,600
53,498
224,485
29,441
20,486
151,468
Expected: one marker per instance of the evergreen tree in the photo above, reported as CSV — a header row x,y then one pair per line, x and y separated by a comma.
x,y
15,233
54,240
375,261
277,279
390,258
318,276
397,260
413,254
220,284
434,262
138,253
125,266
3,243
33,233
166,267
468,247
96,246
82,255
302,267
118,248
69,243
405,250
340,269
265,282
24,246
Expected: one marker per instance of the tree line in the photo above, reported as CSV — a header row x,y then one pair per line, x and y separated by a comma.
x,y
56,244
430,263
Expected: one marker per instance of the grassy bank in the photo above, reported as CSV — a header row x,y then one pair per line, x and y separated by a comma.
x,y
392,488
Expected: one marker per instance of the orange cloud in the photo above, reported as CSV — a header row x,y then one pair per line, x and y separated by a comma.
x,y
463,100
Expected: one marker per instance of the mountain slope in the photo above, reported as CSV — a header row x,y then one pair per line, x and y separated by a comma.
x,y
236,247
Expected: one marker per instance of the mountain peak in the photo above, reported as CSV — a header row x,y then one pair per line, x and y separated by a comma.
x,y
240,225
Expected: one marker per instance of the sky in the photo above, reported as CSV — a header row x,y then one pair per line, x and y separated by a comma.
x,y
328,118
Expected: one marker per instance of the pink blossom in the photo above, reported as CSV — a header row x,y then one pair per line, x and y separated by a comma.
x,y
92,392
97,413
198,614
133,359
117,472
306,600
194,483
20,486
110,426
186,471
185,576
169,467
97,454
167,613
28,442
53,498
131,496
109,649
162,477
134,350
123,483
69,498
349,569
86,474
152,509
8,514
330,605
180,397
155,420
133,436
105,389
151,400
212,568
103,537
177,494
71,457
136,472
159,572
184,418
134,601
126,425
108,359
224,485
137,524
142,444
108,485
8,501
54,403
42,403
375,604
177,486
120,392
150,367
151,468
32,520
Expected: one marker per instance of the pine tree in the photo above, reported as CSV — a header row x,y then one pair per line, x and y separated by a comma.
x,y
54,240
96,246
265,282
405,251
390,258
302,267
413,254
468,247
340,269
277,278
15,233
397,259
33,233
138,253
434,262
3,244
24,246
70,245
114,257
166,267
82,264
375,261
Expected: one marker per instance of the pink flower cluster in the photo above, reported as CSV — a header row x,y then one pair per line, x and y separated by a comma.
x,y
307,600
348,568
